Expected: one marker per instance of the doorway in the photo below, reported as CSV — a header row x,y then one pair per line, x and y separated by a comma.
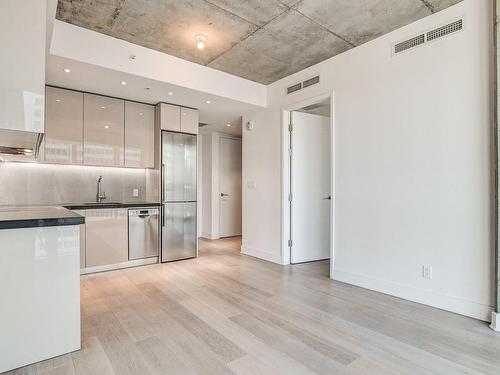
x,y
308,182
230,187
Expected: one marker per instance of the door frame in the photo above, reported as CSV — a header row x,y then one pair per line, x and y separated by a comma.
x,y
285,175
219,179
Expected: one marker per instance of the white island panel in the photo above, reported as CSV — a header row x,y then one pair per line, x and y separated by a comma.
x,y
39,294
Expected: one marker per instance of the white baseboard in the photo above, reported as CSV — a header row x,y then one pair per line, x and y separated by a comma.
x,y
256,253
495,321
441,301
209,236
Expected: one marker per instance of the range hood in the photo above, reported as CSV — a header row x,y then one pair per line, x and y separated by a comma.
x,y
21,143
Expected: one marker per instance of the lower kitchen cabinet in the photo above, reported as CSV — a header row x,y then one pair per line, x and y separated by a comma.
x,y
82,239
106,236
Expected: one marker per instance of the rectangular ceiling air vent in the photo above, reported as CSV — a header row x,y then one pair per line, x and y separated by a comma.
x,y
445,30
294,88
410,43
310,82
428,36
302,85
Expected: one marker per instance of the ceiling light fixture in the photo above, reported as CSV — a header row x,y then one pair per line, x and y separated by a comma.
x,y
228,125
124,83
208,101
66,70
58,100
200,41
170,93
103,107
106,127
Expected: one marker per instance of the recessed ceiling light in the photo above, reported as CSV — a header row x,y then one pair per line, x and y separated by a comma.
x,y
200,41
170,93
103,107
58,100
140,113
208,101
228,125
106,127
124,83
66,70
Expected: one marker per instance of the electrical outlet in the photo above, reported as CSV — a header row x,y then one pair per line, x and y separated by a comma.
x,y
427,272
135,193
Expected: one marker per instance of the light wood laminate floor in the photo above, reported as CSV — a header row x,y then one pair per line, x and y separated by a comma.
x,y
225,313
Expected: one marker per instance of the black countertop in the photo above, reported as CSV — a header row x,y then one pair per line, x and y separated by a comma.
x,y
95,205
33,217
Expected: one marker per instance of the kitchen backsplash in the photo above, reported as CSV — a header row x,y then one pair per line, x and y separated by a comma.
x,y
47,184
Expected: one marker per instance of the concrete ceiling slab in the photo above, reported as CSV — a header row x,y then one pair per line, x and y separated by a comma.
x,y
259,12
360,21
168,26
287,45
261,40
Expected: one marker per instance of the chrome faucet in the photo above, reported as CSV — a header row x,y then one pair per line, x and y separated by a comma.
x,y
100,194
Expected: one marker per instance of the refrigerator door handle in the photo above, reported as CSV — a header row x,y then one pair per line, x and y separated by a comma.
x,y
163,215
163,176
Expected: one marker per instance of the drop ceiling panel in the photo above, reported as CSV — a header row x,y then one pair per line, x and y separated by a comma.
x,y
261,40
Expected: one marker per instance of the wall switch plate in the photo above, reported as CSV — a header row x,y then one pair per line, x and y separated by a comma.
x,y
251,185
135,193
427,272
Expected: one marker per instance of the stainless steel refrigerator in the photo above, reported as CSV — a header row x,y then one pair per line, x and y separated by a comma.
x,y
178,232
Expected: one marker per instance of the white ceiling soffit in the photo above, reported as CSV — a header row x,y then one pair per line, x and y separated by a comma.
x,y
90,47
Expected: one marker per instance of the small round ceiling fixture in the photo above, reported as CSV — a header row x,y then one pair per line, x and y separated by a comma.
x,y
66,70
124,83
228,125
208,101
170,93
106,126
200,41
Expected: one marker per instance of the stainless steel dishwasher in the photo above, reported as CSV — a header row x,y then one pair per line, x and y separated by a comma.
x,y
143,241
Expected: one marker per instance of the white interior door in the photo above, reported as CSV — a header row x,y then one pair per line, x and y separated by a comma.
x,y
230,187
310,187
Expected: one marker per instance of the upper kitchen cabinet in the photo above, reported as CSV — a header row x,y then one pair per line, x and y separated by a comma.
x,y
170,117
139,135
104,131
63,126
22,81
189,120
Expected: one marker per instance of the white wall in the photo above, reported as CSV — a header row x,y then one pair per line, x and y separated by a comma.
x,y
413,164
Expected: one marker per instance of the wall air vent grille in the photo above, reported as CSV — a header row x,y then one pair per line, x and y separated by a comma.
x,y
410,43
310,82
439,32
294,88
445,30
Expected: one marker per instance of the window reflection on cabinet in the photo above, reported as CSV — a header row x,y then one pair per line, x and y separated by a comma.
x,y
139,135
103,131
64,126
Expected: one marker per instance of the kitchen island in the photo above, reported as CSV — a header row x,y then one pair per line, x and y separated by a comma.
x,y
39,284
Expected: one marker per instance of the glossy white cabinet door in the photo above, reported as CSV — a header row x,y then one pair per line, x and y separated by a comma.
x,y
104,131
189,120
139,135
40,294
64,126
170,117
106,236
22,65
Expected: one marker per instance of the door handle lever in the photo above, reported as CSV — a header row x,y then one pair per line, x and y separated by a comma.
x,y
224,195
329,198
